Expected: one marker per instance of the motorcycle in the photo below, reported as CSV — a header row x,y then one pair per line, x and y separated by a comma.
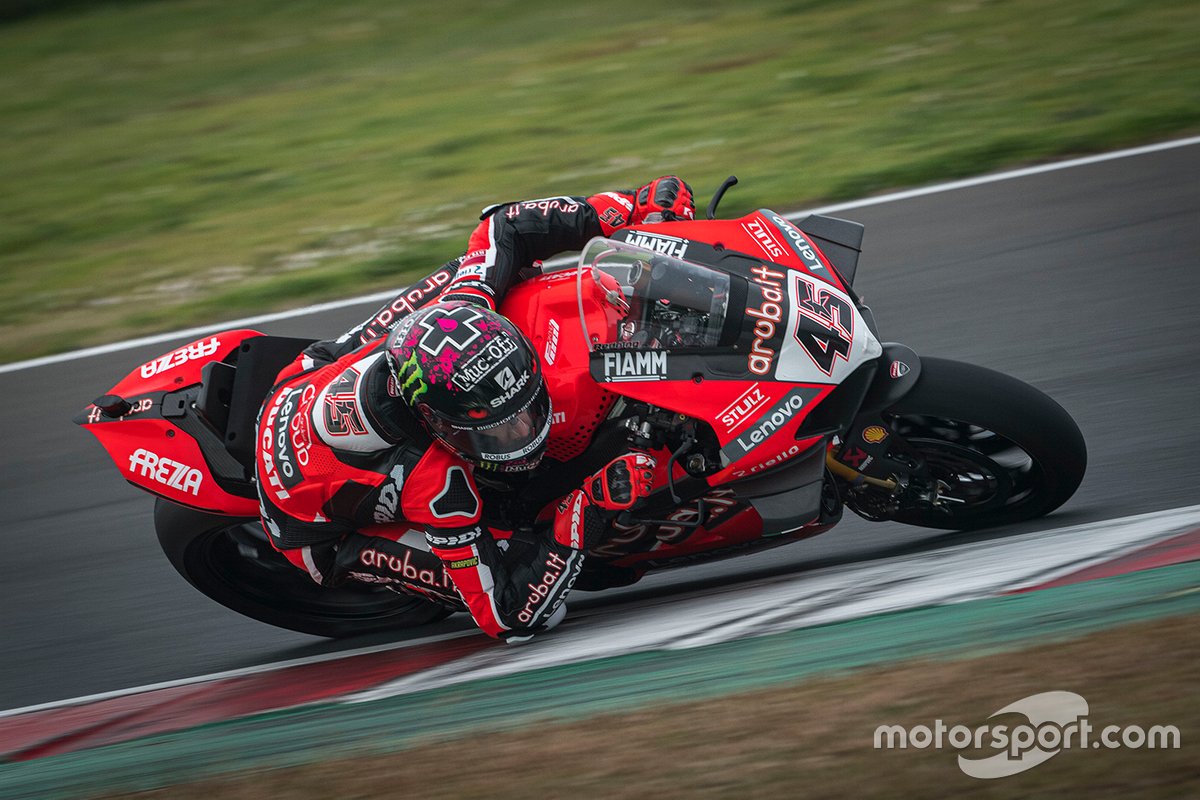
x,y
734,350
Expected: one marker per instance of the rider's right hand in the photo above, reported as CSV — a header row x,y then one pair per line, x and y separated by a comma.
x,y
668,197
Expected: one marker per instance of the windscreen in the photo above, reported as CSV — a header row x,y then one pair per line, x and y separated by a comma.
x,y
663,302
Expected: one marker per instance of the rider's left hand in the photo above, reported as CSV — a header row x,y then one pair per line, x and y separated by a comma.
x,y
623,481
584,515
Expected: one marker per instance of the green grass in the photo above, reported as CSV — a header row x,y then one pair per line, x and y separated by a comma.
x,y
184,161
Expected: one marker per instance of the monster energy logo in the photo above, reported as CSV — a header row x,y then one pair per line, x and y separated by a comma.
x,y
412,379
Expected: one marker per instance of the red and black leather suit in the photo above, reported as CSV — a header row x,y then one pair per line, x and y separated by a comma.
x,y
340,451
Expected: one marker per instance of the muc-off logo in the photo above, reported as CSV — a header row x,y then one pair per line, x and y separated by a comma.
x,y
455,329
161,469
468,374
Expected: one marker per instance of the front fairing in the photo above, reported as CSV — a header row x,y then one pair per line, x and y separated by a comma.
x,y
748,346
657,301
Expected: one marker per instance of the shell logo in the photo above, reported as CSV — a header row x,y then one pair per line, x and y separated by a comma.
x,y
874,434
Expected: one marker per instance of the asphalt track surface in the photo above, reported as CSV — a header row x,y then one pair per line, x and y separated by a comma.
x,y
1083,282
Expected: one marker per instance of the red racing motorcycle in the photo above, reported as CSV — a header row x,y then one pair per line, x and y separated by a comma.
x,y
735,350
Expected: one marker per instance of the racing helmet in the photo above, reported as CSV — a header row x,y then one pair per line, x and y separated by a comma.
x,y
475,383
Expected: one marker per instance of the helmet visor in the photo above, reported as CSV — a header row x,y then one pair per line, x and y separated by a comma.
x,y
513,443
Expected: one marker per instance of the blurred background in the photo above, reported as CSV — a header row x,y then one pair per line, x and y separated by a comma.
x,y
175,162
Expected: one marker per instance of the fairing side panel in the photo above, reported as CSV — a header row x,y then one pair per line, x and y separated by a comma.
x,y
180,367
150,450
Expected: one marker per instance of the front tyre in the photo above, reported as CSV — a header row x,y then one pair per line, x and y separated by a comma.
x,y
230,560
993,450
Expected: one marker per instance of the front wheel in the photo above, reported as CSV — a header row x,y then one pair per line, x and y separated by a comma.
x,y
987,449
230,560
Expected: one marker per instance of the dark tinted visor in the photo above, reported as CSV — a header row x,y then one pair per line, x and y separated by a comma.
x,y
517,441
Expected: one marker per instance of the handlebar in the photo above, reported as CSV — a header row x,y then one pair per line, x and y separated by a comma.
x,y
712,205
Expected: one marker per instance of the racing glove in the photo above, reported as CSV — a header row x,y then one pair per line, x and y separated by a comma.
x,y
667,197
584,514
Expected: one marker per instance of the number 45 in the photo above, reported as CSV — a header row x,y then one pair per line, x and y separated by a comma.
x,y
825,324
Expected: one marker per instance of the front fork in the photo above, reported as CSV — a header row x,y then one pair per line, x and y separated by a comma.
x,y
862,457
880,472
883,474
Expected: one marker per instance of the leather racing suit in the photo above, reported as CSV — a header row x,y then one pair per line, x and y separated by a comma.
x,y
339,451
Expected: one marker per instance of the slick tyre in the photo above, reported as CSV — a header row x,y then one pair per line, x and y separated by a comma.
x,y
230,560
1004,451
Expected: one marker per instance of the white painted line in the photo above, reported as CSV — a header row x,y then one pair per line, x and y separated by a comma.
x,y
237,673
194,333
1024,172
380,297
836,594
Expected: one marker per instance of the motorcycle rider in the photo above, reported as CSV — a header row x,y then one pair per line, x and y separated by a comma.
x,y
389,423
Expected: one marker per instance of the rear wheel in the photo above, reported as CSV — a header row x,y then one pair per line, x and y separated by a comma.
x,y
987,449
230,560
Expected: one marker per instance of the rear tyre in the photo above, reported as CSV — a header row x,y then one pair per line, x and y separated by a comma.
x,y
230,560
1000,450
